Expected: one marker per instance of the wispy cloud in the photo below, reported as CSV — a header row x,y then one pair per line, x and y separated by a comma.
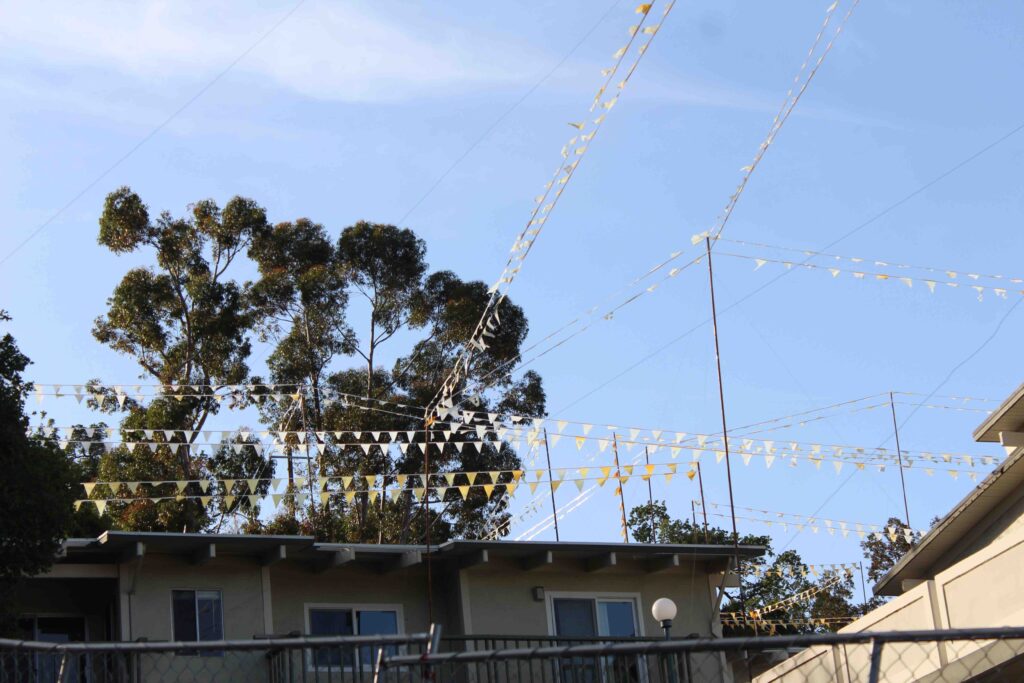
x,y
324,51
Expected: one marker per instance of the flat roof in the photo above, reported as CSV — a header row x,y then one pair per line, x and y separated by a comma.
x,y
927,556
120,546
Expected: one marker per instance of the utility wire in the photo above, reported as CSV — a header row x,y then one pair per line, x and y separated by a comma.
x,y
483,136
149,136
892,207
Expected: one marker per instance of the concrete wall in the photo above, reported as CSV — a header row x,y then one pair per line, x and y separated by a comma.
x,y
985,589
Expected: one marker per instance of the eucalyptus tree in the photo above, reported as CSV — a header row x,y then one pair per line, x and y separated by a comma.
x,y
186,323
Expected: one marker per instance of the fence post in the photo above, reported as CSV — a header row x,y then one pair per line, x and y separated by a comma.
x,y
876,660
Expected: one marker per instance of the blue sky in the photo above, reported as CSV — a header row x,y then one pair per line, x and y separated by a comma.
x,y
353,111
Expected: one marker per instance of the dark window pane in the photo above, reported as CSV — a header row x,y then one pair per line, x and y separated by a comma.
x,y
184,608
211,624
574,617
331,622
617,618
375,623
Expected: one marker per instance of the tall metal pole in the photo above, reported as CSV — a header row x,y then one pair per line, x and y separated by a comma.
x,y
554,509
622,494
899,455
650,497
703,503
725,430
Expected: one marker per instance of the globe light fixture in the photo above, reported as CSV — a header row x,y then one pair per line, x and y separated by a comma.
x,y
664,611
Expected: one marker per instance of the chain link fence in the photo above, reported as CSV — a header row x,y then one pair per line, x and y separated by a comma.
x,y
276,660
977,655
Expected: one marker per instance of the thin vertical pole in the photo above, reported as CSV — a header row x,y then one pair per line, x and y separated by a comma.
x,y
427,422
863,586
703,504
554,508
899,454
622,494
650,497
725,430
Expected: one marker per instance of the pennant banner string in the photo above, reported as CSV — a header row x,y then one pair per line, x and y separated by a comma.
x,y
949,273
796,91
571,156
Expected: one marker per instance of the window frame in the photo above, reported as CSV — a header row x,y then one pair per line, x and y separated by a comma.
x,y
354,608
595,597
195,600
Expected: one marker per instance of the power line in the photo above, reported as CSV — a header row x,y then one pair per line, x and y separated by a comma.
x,y
892,207
506,114
149,136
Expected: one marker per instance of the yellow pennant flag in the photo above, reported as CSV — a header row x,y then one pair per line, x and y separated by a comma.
x,y
181,486
668,477
583,471
89,487
533,486
277,498
347,481
580,440
691,474
516,475
644,8
371,480
488,489
229,501
253,500
555,484
204,485
321,482
511,487
394,493
252,484
350,496
450,478
324,497
133,486
400,478
205,500
228,485
579,484
101,506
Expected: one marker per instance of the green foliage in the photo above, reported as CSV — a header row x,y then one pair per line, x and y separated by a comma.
x,y
384,268
883,553
766,580
185,323
39,486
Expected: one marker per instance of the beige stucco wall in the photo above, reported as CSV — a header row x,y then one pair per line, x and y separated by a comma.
x,y
501,601
294,586
237,579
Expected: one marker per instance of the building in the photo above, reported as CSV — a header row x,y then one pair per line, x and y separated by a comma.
x,y
964,573
183,587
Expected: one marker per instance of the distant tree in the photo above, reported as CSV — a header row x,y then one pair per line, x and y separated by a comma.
x,y
40,484
384,269
186,324
885,551
766,580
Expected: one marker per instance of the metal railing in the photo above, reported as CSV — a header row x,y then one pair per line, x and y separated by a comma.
x,y
983,654
276,660
992,654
